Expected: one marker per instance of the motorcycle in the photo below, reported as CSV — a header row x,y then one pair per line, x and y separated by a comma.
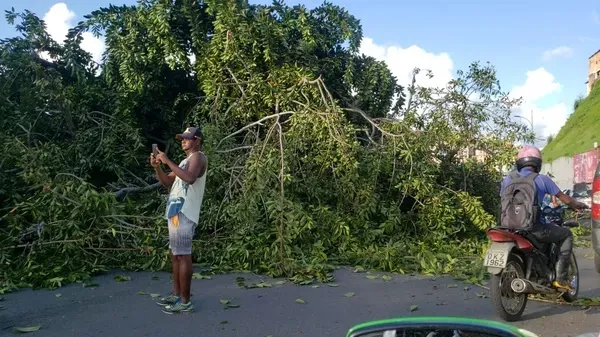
x,y
520,265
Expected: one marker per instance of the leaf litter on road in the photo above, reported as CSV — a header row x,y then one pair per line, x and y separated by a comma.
x,y
198,276
122,278
414,307
28,329
301,301
334,285
350,294
227,304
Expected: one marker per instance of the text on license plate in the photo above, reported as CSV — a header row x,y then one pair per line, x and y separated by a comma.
x,y
496,258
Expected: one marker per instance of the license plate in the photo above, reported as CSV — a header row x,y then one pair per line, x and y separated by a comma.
x,y
496,258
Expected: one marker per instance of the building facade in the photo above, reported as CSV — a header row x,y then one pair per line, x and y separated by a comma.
x,y
594,71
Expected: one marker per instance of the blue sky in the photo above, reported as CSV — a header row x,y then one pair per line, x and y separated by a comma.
x,y
517,37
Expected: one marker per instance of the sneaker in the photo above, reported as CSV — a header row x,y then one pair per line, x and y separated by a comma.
x,y
564,285
178,307
169,300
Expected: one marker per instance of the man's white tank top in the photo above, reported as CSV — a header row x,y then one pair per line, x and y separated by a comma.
x,y
192,194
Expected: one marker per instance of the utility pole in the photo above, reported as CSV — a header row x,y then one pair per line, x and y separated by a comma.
x,y
531,120
534,138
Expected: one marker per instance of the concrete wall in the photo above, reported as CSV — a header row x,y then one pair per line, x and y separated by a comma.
x,y
562,170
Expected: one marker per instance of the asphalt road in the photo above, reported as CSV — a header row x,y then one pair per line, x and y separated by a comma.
x,y
116,309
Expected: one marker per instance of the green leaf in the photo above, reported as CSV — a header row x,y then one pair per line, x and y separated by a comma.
x,y
280,282
154,295
141,292
452,286
198,276
28,329
155,278
122,278
58,295
90,285
224,301
315,286
371,277
334,285
414,307
223,322
350,294
301,301
231,305
386,278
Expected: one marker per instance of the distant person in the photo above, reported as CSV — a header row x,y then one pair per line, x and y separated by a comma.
x,y
187,183
529,161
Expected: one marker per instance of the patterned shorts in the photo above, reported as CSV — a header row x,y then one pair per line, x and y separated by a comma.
x,y
181,233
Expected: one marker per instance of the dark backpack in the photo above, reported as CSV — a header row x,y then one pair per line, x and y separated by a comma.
x,y
519,202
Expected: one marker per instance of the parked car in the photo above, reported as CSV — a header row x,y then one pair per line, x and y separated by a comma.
x,y
582,192
596,218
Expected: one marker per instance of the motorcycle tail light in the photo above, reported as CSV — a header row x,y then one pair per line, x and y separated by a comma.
x,y
596,198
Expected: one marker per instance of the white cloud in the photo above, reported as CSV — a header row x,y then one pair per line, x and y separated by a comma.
x,y
562,51
59,19
538,84
546,121
402,61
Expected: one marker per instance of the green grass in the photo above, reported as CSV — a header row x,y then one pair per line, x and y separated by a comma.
x,y
580,131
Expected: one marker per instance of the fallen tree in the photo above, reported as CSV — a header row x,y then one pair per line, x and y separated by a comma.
x,y
314,157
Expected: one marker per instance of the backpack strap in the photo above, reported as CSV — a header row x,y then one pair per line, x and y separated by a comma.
x,y
532,176
537,203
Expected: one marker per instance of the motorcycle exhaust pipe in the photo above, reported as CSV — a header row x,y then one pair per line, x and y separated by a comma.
x,y
523,286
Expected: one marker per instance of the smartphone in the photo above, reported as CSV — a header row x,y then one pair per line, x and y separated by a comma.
x,y
155,149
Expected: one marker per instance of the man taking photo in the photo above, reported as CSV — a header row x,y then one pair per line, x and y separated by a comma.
x,y
186,182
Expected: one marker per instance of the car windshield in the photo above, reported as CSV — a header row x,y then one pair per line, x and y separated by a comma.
x,y
582,190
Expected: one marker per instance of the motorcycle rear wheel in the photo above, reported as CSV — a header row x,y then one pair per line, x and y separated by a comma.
x,y
501,291
573,275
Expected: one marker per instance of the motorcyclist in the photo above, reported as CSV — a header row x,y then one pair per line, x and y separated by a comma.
x,y
529,160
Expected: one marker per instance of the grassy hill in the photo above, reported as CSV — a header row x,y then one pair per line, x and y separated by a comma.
x,y
580,131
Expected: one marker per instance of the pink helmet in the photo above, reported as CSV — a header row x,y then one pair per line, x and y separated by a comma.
x,y
529,156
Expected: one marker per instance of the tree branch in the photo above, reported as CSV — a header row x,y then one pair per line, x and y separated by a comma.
x,y
258,122
125,191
